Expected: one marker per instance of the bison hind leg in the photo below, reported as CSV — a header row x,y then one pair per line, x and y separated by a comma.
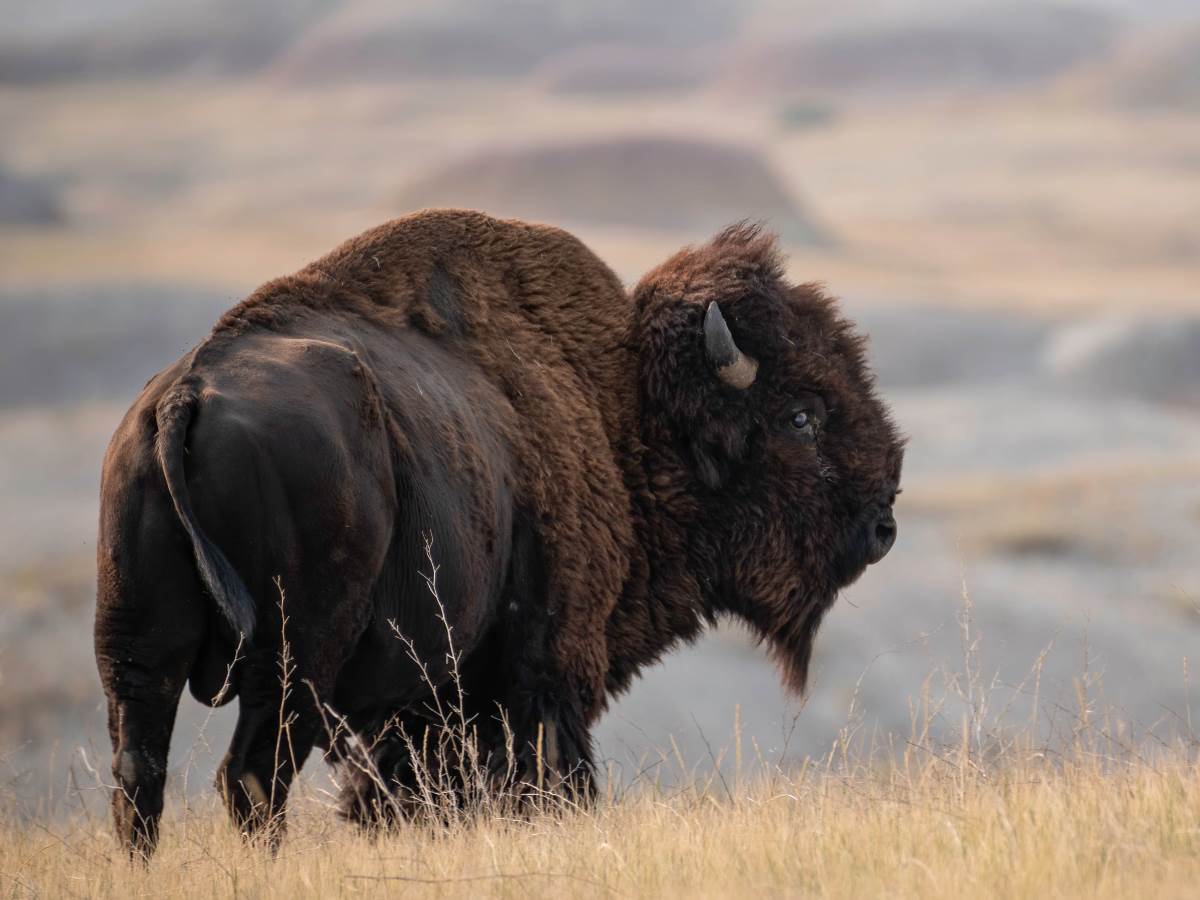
x,y
374,781
413,768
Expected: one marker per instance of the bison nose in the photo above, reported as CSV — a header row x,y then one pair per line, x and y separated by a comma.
x,y
882,536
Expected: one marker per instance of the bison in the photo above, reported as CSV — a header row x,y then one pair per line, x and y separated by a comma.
x,y
597,475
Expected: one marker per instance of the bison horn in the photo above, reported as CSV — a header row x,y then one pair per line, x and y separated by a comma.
x,y
734,367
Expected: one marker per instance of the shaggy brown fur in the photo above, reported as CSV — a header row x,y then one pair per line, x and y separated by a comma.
x,y
549,323
740,517
506,360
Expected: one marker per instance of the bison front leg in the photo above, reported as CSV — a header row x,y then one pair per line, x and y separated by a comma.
x,y
551,739
554,748
545,710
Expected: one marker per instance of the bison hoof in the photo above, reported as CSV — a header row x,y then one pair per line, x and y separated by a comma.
x,y
250,808
137,803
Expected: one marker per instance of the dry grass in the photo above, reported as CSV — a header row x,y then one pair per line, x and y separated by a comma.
x,y
1073,803
932,826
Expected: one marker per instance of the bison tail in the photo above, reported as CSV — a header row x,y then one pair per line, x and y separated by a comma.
x,y
223,583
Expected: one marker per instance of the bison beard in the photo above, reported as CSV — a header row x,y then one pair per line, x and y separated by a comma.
x,y
599,476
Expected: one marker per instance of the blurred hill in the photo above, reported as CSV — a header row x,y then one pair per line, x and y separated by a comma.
x,y
372,39
789,44
983,47
690,186
1157,361
27,200
1158,71
75,346
318,41
626,68
138,38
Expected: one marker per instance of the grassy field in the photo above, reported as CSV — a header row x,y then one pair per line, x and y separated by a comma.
x,y
1070,802
934,825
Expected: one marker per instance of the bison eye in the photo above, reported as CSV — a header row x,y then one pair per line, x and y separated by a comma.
x,y
803,417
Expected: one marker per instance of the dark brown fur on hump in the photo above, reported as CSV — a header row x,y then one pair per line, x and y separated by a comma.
x,y
551,325
654,491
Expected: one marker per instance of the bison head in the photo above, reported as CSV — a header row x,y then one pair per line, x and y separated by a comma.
x,y
761,393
